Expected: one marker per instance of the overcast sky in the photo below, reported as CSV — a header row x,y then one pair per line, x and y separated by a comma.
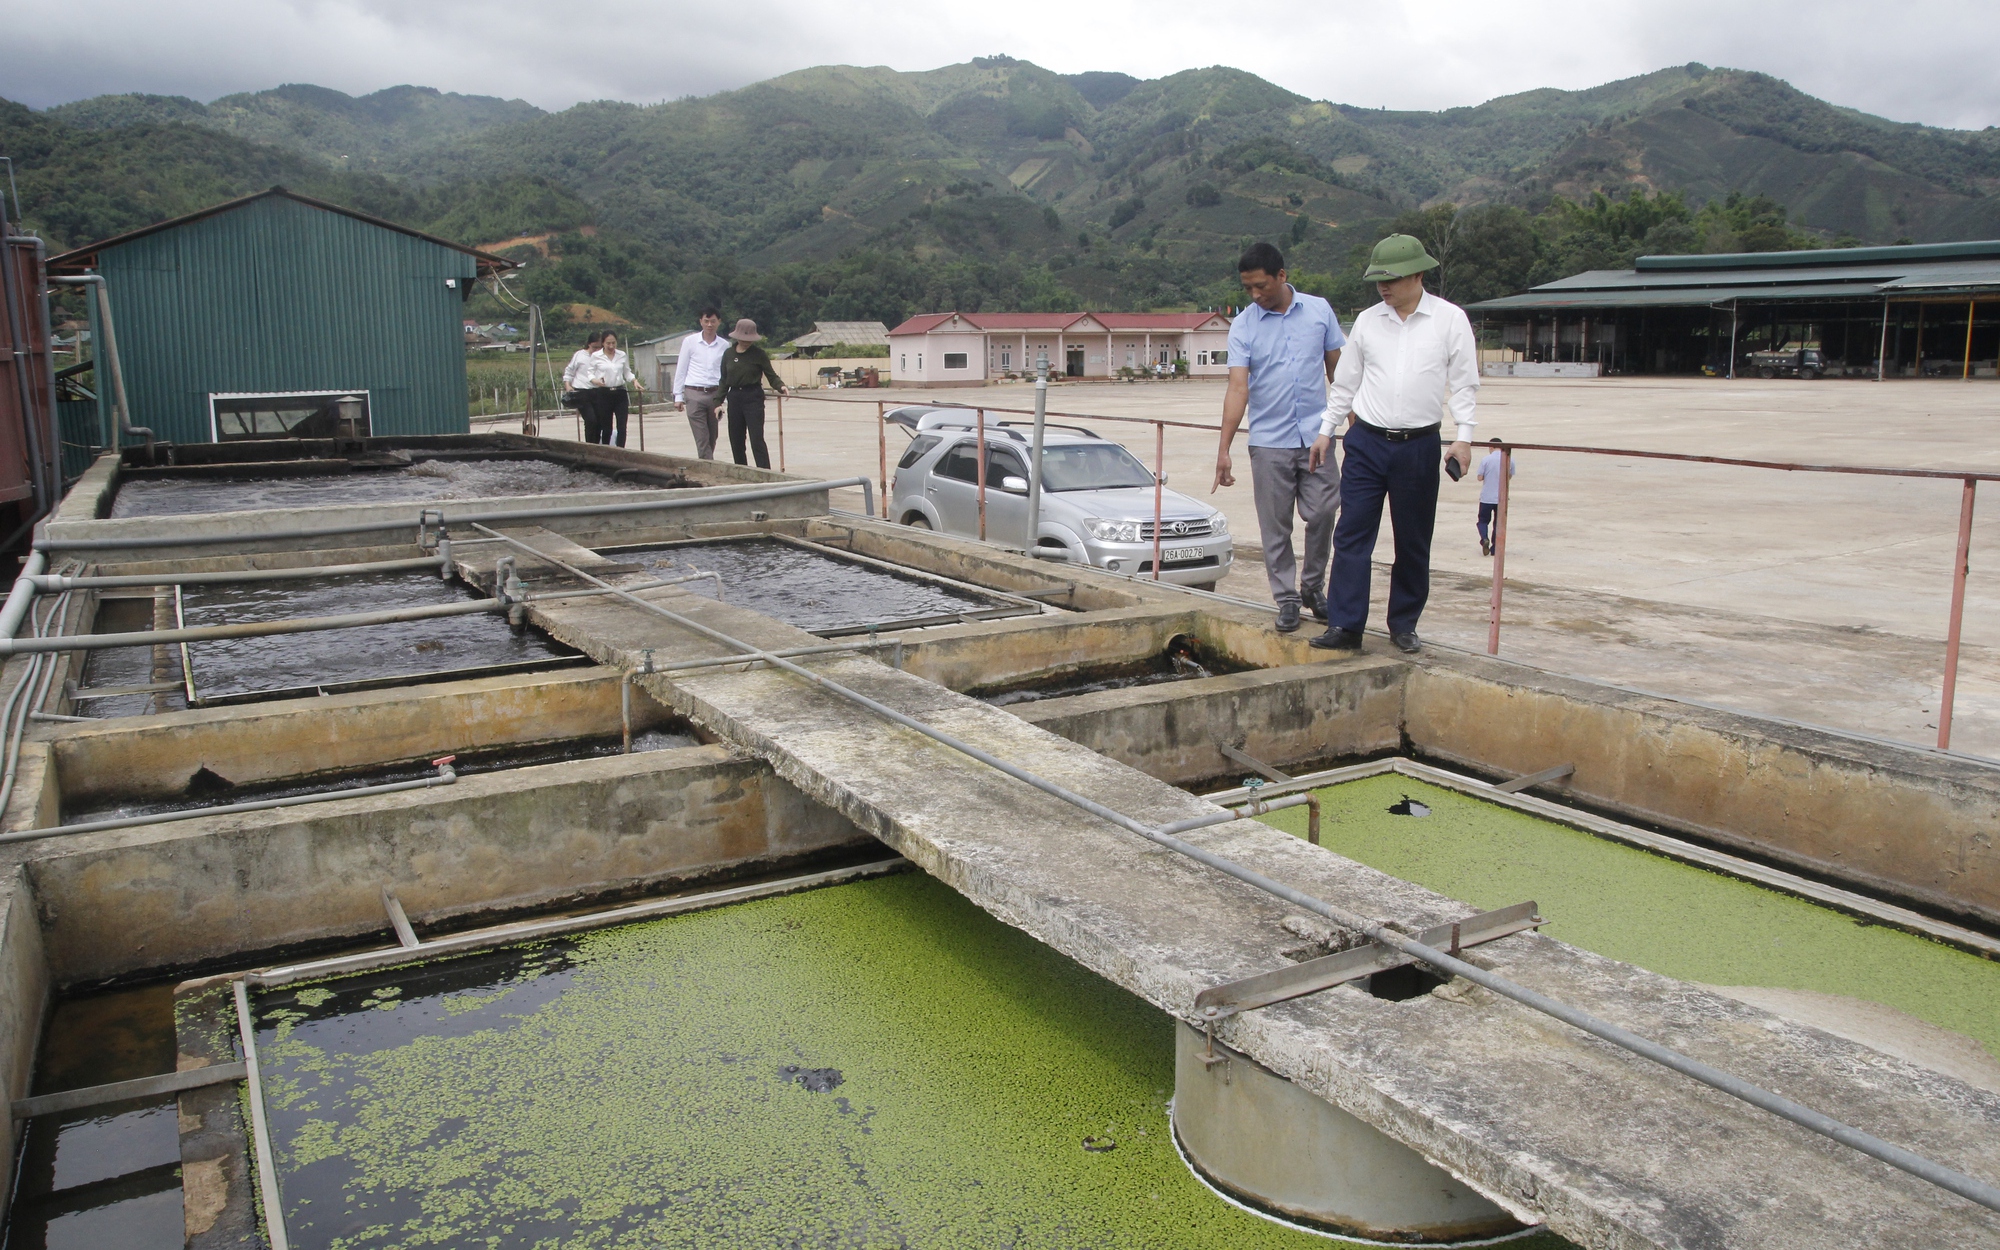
x,y
1921,60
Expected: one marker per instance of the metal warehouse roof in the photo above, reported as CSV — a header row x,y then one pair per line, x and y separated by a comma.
x,y
80,259
1848,273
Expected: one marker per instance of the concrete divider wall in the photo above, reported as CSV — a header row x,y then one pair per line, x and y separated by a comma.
x,y
153,756
1895,820
1006,652
1281,716
24,998
179,895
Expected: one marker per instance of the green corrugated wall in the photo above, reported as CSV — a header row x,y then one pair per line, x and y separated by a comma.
x,y
280,296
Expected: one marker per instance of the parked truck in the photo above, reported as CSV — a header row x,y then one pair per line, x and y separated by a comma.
x,y
1793,360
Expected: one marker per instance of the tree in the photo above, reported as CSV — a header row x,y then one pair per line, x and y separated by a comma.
x,y
1203,195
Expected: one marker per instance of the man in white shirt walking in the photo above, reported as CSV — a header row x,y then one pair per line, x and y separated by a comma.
x,y
1407,359
698,381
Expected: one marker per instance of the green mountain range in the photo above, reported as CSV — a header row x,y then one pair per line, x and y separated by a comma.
x,y
845,191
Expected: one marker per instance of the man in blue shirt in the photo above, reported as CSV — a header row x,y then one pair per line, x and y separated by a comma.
x,y
1282,350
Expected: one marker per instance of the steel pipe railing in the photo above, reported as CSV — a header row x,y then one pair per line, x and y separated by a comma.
x,y
247,629
678,500
1975,1190
47,583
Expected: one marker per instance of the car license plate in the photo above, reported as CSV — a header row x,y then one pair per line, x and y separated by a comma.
x,y
1173,555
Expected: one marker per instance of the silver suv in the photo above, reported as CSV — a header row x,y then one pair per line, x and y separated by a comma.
x,y
1097,498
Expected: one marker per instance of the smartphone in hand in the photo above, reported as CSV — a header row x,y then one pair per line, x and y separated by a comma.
x,y
1451,467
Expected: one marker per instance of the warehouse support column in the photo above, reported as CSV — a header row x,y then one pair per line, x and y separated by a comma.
x,y
1970,305
1882,353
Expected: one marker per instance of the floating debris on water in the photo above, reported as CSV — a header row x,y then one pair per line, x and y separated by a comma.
x,y
1408,806
817,1080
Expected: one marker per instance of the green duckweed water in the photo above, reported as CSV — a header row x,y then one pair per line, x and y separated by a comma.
x,y
1632,905
875,1064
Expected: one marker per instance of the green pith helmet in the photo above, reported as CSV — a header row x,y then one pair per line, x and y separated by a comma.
x,y
1397,256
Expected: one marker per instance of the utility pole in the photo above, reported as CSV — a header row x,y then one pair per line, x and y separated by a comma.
x,y
1035,454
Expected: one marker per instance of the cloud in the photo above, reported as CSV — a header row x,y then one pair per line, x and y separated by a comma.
x,y
1429,55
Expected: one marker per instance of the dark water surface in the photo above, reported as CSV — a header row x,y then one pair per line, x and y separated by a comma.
x,y
107,1176
242,665
422,482
1183,660
806,588
873,1064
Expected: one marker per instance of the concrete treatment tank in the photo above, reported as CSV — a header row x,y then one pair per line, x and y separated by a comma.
x,y
1262,1139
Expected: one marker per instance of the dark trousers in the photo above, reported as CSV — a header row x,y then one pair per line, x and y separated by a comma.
x,y
617,409
594,406
1486,511
746,419
1406,473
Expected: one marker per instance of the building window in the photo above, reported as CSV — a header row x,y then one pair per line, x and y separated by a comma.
x,y
954,360
905,366
920,362
1006,359
1218,358
1201,358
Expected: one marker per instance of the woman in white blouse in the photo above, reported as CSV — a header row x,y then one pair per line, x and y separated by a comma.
x,y
579,390
613,374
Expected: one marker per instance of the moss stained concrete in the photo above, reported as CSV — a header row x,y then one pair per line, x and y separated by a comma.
x,y
873,1064
1661,914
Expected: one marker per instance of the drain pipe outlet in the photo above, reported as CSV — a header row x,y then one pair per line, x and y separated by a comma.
x,y
119,405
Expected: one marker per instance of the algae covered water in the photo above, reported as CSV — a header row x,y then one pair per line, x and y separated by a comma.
x,y
1632,905
873,1064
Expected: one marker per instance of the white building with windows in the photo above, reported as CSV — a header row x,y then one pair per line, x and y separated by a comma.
x,y
973,349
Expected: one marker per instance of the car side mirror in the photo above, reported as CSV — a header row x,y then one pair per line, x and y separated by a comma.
x,y
1014,485
1162,477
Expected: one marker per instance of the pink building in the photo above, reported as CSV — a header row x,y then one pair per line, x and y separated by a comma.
x,y
972,349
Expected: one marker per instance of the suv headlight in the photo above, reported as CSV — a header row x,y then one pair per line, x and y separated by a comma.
x,y
1114,531
1218,525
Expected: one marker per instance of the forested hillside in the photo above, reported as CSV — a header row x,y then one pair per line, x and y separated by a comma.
x,y
855,192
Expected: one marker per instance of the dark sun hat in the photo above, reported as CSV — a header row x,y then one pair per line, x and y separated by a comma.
x,y
746,332
1397,256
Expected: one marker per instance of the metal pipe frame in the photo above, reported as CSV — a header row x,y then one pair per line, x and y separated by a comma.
x,y
47,583
260,1129
248,629
501,517
1797,1113
445,777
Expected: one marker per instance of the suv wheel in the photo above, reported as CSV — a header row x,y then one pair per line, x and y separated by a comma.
x,y
916,521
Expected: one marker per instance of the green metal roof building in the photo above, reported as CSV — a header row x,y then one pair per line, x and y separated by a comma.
x,y
1930,310
259,317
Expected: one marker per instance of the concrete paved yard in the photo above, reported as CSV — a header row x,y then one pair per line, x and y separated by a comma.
x,y
1818,597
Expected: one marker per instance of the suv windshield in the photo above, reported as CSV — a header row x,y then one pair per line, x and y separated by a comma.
x,y
1091,466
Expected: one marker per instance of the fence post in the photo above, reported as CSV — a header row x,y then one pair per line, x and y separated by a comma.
x,y
979,422
1958,572
1159,485
882,441
781,431
1499,551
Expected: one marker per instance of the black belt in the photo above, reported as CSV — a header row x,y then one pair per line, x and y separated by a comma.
x,y
1403,436
701,388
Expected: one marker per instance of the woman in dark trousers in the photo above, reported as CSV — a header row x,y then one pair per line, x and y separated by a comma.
x,y
744,369
614,374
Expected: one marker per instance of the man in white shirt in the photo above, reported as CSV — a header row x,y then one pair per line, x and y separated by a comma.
x,y
1407,359
698,381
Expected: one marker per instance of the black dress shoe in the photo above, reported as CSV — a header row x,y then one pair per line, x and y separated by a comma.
x,y
1313,602
1407,643
1338,640
1288,617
